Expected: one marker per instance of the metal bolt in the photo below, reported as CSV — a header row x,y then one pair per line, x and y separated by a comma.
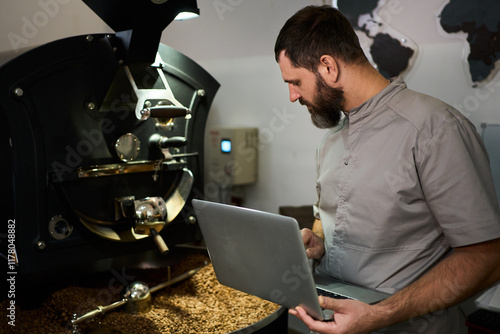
x,y
41,245
89,38
18,92
192,219
201,92
91,105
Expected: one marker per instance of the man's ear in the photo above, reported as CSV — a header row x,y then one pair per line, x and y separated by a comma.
x,y
329,69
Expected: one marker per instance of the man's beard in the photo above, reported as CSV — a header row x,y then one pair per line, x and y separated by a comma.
x,y
327,106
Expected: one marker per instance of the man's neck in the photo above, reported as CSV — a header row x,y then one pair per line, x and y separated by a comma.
x,y
361,84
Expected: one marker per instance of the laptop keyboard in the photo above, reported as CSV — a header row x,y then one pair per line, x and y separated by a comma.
x,y
330,294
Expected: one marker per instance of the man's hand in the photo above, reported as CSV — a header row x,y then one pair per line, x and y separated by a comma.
x,y
467,271
351,317
314,244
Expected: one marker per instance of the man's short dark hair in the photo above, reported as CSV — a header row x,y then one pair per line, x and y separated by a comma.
x,y
315,31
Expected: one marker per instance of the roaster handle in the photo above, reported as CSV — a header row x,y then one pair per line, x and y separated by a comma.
x,y
164,112
177,141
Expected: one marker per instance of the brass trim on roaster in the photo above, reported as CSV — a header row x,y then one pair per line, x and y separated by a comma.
x,y
130,167
117,169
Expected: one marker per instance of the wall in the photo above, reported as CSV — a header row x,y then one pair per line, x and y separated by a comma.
x,y
29,23
233,40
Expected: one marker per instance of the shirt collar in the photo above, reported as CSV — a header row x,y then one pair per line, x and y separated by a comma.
x,y
379,100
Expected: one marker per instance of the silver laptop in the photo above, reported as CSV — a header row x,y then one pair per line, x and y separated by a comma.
x,y
263,254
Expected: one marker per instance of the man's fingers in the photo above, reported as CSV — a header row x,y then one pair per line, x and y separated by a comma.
x,y
319,326
313,243
330,303
306,235
349,316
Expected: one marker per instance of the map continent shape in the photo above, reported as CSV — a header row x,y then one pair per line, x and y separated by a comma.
x,y
480,20
390,56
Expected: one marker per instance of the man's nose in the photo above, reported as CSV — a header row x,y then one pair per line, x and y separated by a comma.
x,y
294,93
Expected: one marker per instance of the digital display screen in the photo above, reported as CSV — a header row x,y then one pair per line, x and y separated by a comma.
x,y
225,146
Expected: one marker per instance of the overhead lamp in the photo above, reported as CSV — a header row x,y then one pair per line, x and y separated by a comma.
x,y
188,11
187,15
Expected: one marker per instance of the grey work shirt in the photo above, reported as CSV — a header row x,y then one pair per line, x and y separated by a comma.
x,y
401,180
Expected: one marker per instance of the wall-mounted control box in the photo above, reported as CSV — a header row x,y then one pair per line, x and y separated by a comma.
x,y
232,156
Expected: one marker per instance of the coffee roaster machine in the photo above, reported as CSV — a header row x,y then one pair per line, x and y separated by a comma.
x,y
102,137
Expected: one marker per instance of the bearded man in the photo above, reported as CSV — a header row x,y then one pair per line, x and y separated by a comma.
x,y
406,202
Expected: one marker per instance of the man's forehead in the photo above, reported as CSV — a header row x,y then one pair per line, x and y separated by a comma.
x,y
289,72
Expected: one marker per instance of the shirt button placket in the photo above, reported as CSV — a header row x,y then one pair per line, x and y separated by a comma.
x,y
341,215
